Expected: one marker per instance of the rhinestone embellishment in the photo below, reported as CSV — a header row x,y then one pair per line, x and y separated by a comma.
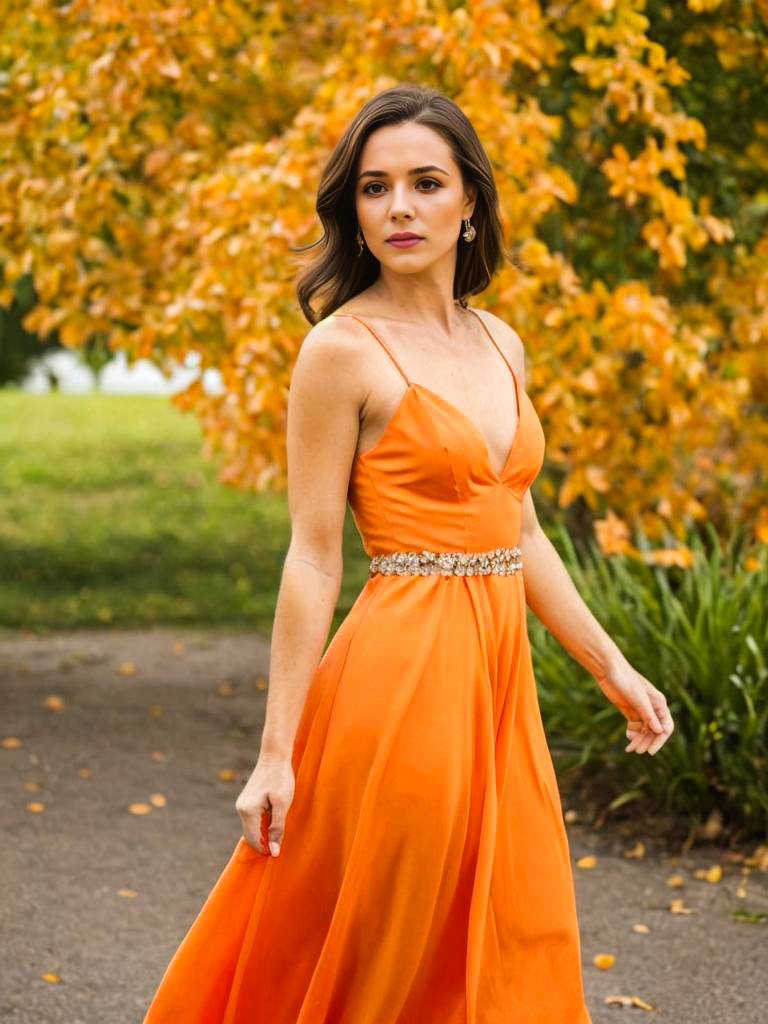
x,y
503,561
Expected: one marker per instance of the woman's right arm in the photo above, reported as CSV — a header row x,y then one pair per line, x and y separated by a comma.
x,y
324,403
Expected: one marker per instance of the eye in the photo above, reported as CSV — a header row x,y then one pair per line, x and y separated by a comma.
x,y
421,181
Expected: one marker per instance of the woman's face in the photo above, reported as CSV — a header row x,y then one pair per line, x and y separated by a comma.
x,y
390,198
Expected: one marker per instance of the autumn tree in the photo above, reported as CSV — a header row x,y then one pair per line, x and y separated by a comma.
x,y
160,163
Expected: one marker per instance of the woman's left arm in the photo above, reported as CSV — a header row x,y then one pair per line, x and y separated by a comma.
x,y
552,596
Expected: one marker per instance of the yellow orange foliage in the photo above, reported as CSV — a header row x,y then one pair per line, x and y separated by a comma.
x,y
162,159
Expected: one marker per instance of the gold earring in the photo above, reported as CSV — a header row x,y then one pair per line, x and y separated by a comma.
x,y
469,232
360,242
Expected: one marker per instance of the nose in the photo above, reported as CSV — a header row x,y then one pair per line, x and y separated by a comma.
x,y
400,205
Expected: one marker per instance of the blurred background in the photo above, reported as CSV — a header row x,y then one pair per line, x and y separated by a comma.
x,y
159,165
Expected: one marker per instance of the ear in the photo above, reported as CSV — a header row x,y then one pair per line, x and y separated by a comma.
x,y
470,194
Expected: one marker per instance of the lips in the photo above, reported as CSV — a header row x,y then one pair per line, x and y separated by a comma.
x,y
403,237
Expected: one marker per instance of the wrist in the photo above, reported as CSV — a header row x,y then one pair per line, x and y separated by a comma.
x,y
607,661
274,750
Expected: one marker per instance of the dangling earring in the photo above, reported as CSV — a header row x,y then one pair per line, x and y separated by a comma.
x,y
469,233
360,242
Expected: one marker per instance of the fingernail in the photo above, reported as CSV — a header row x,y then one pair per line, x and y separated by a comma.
x,y
274,848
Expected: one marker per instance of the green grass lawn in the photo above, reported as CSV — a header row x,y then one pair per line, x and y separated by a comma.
x,y
109,515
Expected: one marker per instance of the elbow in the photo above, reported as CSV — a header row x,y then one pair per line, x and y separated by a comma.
x,y
324,556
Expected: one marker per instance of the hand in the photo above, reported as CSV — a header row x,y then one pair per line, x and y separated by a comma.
x,y
649,722
270,788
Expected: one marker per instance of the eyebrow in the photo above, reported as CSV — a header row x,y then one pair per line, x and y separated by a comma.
x,y
414,170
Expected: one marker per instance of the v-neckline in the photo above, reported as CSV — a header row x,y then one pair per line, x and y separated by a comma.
x,y
499,476
412,386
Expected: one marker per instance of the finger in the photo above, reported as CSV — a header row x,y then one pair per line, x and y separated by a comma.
x,y
252,840
265,819
276,831
649,716
663,712
661,740
641,740
636,737
645,741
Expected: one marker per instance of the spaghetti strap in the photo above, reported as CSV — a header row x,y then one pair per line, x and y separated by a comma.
x,y
498,349
385,347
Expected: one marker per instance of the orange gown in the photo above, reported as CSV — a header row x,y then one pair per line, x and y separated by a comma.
x,y
424,875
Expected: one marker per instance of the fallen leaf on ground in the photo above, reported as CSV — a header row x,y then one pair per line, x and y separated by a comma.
x,y
759,859
156,710
11,742
713,874
226,775
642,929
158,800
260,683
51,978
628,1001
571,816
158,755
636,853
127,893
84,773
179,647
139,808
53,702
604,960
587,862
32,787
126,668
675,881
676,906
224,688
35,807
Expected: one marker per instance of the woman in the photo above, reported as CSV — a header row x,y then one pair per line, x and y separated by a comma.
x,y
418,869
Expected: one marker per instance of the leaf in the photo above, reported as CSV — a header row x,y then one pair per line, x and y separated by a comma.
x,y
35,807
604,961
139,808
51,977
12,743
637,852
53,702
676,906
617,1000
126,668
158,800
589,861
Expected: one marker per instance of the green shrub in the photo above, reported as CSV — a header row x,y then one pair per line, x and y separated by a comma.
x,y
700,635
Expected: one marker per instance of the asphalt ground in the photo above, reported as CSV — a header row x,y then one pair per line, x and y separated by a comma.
x,y
96,898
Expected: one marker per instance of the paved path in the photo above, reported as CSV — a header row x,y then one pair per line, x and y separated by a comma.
x,y
100,897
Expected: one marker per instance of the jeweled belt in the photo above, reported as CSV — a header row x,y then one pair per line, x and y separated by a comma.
x,y
502,561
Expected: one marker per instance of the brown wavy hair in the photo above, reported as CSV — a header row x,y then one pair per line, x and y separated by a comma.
x,y
337,273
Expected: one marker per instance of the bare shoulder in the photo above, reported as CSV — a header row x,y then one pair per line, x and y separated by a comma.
x,y
331,350
333,337
507,338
